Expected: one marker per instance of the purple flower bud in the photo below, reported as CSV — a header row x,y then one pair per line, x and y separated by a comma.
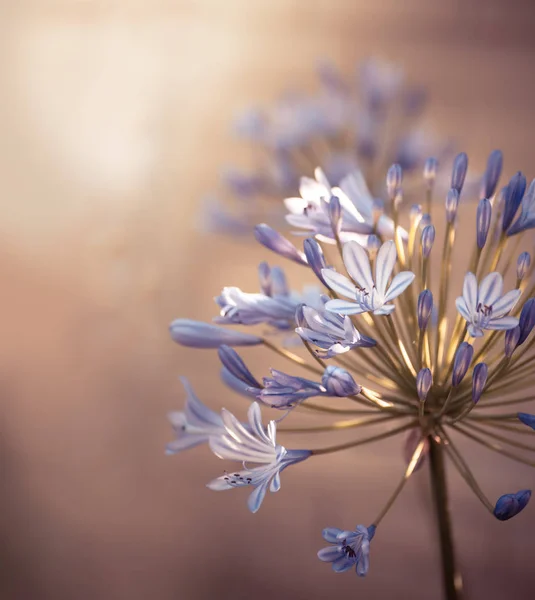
x,y
394,178
197,334
273,240
232,361
428,238
425,307
452,204
338,382
415,213
237,385
264,276
414,437
430,170
484,214
424,221
461,362
479,379
522,265
512,198
527,320
315,258
492,174
335,213
279,285
458,174
424,381
509,505
527,419
373,245
511,340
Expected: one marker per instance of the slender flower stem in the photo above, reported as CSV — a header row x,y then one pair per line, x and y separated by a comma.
x,y
452,578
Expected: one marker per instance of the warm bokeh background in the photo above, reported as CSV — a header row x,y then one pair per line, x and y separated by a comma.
x,y
114,122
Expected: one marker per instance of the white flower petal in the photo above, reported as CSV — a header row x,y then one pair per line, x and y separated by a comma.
x,y
399,284
505,303
502,323
384,265
462,308
475,331
219,484
275,485
342,307
470,292
254,415
339,283
257,496
357,263
490,289
295,205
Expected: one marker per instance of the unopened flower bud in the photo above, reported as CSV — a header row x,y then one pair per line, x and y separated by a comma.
x,y
483,216
315,258
264,277
268,237
394,178
511,340
196,334
424,381
522,265
509,505
335,213
373,245
424,221
415,213
513,195
430,170
461,362
428,238
425,307
452,204
479,379
527,320
338,382
232,361
492,174
458,174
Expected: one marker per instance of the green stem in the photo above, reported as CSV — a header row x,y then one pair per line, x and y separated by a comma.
x,y
451,577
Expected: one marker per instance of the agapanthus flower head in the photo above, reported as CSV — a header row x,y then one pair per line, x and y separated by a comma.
x,y
396,341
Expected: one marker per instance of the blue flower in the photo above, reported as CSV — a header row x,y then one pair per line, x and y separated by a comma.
x,y
368,295
486,307
194,425
284,391
252,445
348,548
333,333
197,334
509,505
275,306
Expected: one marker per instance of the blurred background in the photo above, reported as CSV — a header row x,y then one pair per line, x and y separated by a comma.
x,y
114,122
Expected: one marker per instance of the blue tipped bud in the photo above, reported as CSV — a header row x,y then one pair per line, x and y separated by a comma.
x,y
522,265
373,245
232,361
415,213
430,170
268,237
377,210
527,419
315,258
424,381
511,340
514,193
424,221
461,362
458,174
394,177
479,380
425,308
527,320
338,382
452,204
492,174
509,505
428,238
264,277
484,214
197,334
335,213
